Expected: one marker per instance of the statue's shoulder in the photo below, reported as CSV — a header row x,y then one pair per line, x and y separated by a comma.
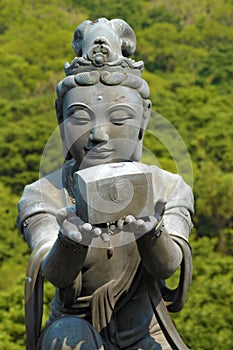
x,y
159,172
45,185
172,188
169,179
45,195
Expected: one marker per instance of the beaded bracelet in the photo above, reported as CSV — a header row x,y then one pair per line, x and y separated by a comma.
x,y
156,231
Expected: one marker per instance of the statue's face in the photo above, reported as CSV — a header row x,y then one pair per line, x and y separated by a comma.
x,y
102,123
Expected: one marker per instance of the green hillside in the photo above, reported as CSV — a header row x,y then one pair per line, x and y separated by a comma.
x,y
187,49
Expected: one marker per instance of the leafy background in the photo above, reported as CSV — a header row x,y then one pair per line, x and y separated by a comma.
x,y
187,50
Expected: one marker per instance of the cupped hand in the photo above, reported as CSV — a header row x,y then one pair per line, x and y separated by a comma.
x,y
75,228
145,224
137,226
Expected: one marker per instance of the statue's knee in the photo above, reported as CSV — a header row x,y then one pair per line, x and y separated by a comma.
x,y
70,333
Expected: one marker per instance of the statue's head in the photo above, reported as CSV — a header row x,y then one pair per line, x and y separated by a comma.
x,y
102,105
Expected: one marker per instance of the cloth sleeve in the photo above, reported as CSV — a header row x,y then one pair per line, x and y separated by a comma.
x,y
179,202
38,207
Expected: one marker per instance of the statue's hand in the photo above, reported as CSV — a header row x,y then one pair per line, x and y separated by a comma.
x,y
75,228
145,224
137,226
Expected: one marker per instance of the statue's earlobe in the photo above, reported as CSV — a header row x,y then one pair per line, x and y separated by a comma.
x,y
138,149
136,156
140,135
146,115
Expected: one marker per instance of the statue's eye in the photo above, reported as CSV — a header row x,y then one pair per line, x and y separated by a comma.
x,y
121,117
78,116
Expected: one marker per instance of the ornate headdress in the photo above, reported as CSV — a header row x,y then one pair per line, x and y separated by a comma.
x,y
102,43
103,48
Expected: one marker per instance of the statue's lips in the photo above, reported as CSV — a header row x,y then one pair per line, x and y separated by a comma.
x,y
99,152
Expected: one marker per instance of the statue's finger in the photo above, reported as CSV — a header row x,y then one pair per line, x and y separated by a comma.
x,y
85,228
120,223
140,223
129,219
96,232
61,216
70,211
65,213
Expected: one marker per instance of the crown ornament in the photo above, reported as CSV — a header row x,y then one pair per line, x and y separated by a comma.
x,y
104,45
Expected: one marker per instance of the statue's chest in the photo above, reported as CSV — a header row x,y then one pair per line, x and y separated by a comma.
x,y
98,269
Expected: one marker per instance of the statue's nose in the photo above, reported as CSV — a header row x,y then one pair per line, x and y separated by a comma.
x,y
99,134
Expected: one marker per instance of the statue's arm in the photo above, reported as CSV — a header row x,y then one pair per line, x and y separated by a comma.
x,y
162,255
65,259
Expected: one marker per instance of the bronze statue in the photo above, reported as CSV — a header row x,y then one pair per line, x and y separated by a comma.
x,y
109,272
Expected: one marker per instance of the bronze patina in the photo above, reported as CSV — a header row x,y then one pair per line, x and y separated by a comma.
x,y
104,199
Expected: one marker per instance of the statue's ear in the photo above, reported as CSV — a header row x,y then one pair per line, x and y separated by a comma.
x,y
144,122
58,106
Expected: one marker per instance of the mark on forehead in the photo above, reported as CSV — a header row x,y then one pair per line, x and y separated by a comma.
x,y
99,98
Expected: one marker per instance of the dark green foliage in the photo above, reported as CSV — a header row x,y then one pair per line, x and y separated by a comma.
x,y
187,49
12,329
127,10
206,320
